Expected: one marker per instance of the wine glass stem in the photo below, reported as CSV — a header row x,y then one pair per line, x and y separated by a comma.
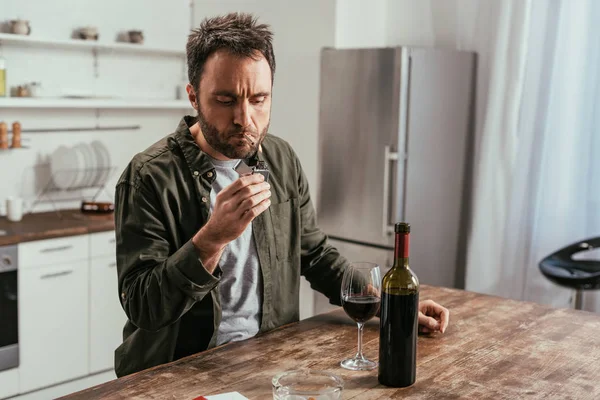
x,y
359,355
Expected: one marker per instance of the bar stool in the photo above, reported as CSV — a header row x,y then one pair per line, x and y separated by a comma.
x,y
562,269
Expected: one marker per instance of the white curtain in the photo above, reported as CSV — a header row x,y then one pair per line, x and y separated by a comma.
x,y
537,187
537,140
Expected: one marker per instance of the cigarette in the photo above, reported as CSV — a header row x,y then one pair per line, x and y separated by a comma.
x,y
249,139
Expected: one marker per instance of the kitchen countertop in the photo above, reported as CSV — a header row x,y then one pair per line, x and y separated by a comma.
x,y
494,348
48,225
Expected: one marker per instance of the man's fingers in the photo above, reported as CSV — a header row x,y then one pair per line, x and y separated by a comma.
x,y
428,322
445,319
253,201
254,212
249,191
240,184
429,309
372,291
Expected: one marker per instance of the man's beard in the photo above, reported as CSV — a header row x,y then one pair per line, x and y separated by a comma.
x,y
220,140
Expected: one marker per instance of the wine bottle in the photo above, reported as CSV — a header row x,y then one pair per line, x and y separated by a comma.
x,y
399,317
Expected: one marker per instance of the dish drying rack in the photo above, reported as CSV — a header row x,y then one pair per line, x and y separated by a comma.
x,y
74,191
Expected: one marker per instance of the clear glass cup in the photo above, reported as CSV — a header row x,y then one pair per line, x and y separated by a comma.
x,y
307,385
361,299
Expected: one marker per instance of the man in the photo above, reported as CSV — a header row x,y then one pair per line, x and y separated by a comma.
x,y
206,256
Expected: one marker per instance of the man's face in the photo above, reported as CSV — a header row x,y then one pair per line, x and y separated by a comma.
x,y
234,103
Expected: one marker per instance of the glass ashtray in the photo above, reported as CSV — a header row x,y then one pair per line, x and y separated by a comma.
x,y
307,385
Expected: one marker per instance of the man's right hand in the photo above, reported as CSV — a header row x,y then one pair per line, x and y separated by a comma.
x,y
235,207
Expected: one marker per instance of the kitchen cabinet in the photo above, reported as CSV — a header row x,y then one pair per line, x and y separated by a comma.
x,y
9,383
53,323
53,251
103,244
107,318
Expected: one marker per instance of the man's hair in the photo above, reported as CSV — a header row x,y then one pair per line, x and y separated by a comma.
x,y
238,33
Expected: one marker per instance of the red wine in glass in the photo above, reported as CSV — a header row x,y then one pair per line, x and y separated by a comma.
x,y
361,308
361,298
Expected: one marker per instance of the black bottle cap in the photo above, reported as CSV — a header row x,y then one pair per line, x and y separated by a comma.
x,y
402,227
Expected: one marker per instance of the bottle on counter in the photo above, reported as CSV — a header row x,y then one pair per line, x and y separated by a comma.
x,y
16,135
3,87
399,317
3,136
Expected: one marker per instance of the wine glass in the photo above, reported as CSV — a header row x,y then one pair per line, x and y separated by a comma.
x,y
361,298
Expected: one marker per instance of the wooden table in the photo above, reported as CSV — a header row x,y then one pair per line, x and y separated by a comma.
x,y
493,349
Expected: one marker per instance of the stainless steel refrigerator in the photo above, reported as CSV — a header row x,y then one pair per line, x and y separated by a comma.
x,y
395,144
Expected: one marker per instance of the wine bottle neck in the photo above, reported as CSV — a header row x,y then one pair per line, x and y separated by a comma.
x,y
401,245
401,250
401,262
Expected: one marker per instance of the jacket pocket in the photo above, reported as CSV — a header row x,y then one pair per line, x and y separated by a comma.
x,y
284,217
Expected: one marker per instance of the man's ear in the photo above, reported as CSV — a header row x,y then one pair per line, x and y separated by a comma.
x,y
192,96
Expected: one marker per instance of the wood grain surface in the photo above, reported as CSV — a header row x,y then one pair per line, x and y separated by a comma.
x,y
48,225
493,349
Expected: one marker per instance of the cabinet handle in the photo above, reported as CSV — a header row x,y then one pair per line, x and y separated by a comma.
x,y
112,265
56,274
53,249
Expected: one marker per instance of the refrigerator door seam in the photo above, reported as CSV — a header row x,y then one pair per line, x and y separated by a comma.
x,y
389,157
405,66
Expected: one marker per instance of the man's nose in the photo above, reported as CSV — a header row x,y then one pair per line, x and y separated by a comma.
x,y
242,115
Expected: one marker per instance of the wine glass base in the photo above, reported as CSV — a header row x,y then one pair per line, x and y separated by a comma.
x,y
356,364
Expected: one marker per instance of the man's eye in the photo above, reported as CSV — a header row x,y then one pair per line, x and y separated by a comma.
x,y
259,100
225,101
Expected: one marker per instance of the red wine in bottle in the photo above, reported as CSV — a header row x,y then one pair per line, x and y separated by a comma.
x,y
399,317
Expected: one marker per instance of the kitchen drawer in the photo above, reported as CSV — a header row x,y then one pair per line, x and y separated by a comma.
x,y
53,251
103,244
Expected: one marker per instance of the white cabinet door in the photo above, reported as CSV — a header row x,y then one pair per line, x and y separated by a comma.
x,y
53,324
107,318
9,382
103,244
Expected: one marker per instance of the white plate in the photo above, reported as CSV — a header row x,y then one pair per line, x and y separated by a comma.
x,y
103,158
63,164
85,168
91,164
80,166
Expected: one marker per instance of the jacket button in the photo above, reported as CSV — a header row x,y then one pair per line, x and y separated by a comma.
x,y
196,173
204,200
123,296
209,174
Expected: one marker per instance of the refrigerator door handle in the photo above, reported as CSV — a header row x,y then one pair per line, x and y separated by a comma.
x,y
388,158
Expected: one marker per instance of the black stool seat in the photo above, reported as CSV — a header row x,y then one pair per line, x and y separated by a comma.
x,y
560,268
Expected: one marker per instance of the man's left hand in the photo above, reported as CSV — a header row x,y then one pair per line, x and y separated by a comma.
x,y
432,317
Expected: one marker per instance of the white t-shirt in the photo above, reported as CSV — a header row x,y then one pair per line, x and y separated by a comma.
x,y
241,284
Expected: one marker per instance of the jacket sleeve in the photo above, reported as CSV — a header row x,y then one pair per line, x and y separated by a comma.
x,y
322,264
158,282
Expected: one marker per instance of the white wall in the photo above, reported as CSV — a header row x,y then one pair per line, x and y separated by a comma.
x,y
301,29
71,71
360,23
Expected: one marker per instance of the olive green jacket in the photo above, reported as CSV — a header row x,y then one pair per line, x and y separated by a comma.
x,y
162,199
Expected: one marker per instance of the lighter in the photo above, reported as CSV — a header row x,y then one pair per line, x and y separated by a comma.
x,y
243,168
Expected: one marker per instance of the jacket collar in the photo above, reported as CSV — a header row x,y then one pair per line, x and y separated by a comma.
x,y
196,159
